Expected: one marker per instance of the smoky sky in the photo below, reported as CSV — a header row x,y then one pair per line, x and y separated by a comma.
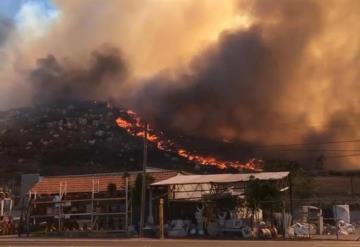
x,y
6,27
54,80
278,81
254,71
236,84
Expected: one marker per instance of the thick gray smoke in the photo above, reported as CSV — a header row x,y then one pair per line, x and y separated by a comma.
x,y
5,29
6,26
236,86
55,80
265,84
283,71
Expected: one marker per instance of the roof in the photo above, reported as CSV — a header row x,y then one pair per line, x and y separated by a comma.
x,y
84,183
220,178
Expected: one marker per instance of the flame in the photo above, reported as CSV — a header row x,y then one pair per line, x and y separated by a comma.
x,y
134,127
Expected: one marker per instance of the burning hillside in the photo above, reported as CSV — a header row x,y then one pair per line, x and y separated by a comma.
x,y
134,127
83,137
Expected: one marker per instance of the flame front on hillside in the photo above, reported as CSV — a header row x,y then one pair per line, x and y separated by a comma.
x,y
134,127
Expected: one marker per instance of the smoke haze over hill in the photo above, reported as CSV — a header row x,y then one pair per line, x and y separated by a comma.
x,y
253,71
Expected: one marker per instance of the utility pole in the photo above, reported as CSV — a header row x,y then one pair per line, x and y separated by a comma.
x,y
291,196
143,184
161,218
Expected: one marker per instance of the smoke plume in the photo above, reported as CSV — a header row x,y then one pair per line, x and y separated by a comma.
x,y
242,83
250,71
5,29
278,81
55,81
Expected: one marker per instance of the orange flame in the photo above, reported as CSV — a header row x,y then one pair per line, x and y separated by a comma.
x,y
135,128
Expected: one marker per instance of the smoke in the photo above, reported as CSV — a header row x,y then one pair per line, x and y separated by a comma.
x,y
152,35
55,81
288,78
253,71
241,83
146,31
5,29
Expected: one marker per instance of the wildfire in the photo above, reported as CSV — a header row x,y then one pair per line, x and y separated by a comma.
x,y
135,128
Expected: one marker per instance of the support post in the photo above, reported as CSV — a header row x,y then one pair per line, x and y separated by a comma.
x,y
143,187
307,221
126,204
59,222
336,223
21,223
11,206
150,217
291,198
284,220
352,186
2,208
161,218
131,210
28,214
59,207
92,206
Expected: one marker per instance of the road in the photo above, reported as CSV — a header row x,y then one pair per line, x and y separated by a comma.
x,y
172,243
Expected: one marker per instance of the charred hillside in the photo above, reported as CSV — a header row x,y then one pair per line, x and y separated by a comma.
x,y
74,137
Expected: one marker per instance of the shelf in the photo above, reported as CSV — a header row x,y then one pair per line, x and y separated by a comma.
x,y
81,200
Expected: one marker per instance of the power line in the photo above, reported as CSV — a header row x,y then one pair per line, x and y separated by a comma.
x,y
306,144
332,125
318,150
342,156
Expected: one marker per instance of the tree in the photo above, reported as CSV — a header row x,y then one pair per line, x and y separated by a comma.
x,y
260,194
224,201
302,183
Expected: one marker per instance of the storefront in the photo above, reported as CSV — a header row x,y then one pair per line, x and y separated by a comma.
x,y
213,204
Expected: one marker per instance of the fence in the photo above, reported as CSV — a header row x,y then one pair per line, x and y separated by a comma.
x,y
314,219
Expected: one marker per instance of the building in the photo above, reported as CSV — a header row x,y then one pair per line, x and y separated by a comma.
x,y
195,187
107,202
186,192
96,202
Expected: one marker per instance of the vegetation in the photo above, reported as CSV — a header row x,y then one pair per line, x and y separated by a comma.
x,y
302,182
261,194
225,201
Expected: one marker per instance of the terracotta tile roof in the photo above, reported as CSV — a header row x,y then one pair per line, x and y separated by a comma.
x,y
85,183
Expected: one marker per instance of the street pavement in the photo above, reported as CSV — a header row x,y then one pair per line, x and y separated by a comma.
x,y
170,243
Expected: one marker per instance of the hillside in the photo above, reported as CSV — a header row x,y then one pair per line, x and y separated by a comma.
x,y
71,138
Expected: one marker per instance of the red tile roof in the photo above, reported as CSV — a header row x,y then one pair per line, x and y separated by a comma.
x,y
85,183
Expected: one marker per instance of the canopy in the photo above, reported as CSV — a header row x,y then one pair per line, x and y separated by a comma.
x,y
220,178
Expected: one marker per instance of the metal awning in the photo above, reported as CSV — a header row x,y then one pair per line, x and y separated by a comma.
x,y
220,178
